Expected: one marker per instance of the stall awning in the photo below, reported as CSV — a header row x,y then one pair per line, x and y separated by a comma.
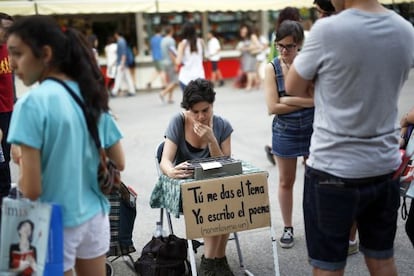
x,y
17,7
229,5
94,6
240,5
26,7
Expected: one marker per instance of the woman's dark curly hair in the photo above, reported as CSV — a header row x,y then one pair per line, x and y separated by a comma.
x,y
199,90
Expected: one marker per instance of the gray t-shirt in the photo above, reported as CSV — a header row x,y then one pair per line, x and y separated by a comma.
x,y
175,132
167,44
359,61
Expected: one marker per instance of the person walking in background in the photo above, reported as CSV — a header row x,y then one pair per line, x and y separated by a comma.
x,y
132,51
111,57
169,52
155,45
213,54
261,57
190,56
93,43
123,73
7,97
193,134
354,146
249,46
292,123
58,158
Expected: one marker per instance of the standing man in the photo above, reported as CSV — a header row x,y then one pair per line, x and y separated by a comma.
x,y
354,147
7,97
123,73
155,44
213,54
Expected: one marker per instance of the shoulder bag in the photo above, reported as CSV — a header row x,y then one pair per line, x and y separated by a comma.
x,y
109,177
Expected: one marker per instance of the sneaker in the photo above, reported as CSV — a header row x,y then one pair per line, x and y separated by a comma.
x,y
353,248
287,241
222,267
161,97
269,154
221,83
207,267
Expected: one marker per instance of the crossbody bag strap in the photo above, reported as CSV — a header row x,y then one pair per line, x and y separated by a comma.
x,y
280,81
93,129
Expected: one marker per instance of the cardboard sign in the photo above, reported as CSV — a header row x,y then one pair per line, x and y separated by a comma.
x,y
225,205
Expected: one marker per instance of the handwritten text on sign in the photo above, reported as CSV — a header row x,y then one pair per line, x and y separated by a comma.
x,y
225,205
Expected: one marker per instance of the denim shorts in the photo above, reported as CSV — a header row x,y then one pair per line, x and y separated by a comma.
x,y
291,133
331,205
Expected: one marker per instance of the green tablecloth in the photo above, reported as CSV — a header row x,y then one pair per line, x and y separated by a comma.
x,y
167,191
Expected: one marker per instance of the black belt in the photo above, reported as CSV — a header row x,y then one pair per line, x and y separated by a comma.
x,y
330,179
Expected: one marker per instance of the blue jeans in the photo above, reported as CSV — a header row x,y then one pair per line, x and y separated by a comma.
x,y
331,204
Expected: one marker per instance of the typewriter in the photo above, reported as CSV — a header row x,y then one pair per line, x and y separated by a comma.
x,y
213,167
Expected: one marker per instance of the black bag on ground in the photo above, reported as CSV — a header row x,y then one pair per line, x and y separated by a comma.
x,y
164,256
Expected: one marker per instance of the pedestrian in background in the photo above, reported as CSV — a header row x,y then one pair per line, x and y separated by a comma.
x,y
58,158
132,51
123,74
190,56
7,97
155,45
111,57
354,147
249,47
292,123
261,57
213,55
169,53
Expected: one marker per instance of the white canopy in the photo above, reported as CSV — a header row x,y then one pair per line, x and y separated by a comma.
x,y
26,7
229,5
17,7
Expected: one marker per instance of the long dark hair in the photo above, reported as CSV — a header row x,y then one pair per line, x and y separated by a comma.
x,y
72,56
288,13
290,28
189,33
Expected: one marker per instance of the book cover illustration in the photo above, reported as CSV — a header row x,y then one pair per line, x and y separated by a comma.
x,y
24,236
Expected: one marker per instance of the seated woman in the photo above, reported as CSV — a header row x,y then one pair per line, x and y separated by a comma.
x,y
192,134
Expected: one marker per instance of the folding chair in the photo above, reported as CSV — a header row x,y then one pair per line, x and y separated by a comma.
x,y
192,244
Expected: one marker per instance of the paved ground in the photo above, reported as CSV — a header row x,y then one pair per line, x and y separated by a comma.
x,y
143,119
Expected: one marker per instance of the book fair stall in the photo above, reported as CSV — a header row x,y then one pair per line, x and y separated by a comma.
x,y
138,18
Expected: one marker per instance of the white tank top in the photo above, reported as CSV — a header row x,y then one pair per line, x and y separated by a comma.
x,y
192,64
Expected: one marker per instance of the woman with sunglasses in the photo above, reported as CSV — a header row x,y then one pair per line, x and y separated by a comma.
x,y
292,123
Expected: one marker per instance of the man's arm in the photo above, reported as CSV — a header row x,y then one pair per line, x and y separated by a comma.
x,y
295,84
